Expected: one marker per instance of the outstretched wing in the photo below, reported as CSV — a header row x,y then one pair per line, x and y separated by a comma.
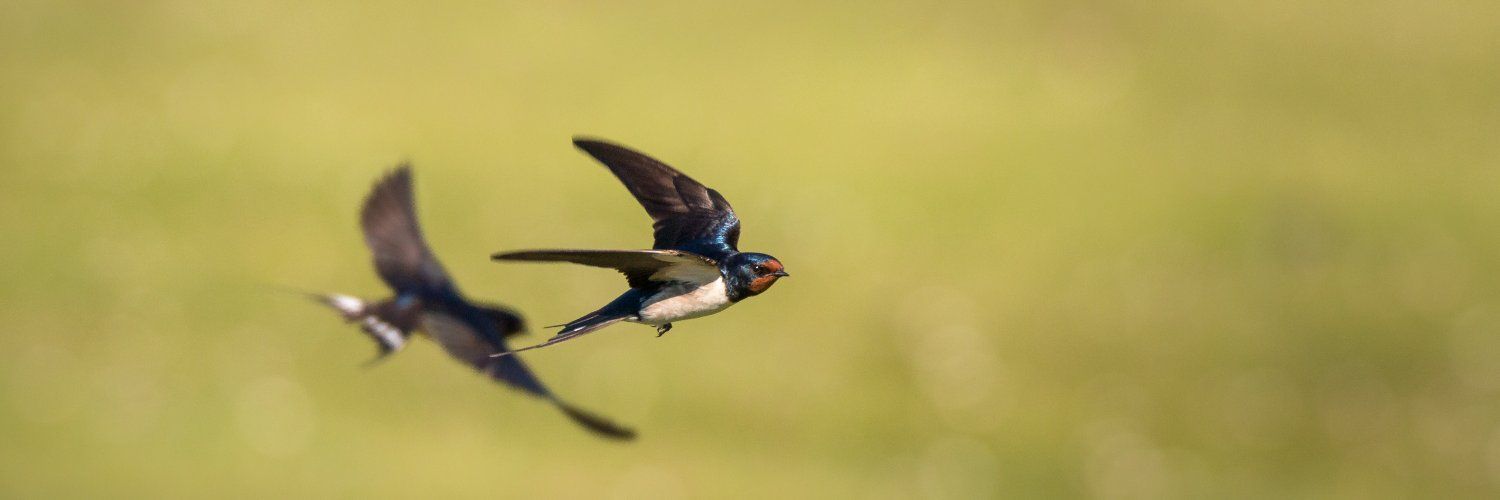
x,y
389,220
641,268
686,215
472,347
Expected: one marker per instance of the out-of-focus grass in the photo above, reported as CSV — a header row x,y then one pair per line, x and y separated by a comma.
x,y
1176,249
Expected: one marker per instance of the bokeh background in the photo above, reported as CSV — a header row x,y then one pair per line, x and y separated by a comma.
x,y
1040,249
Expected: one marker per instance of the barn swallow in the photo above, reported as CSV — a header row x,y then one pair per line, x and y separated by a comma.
x,y
693,270
426,300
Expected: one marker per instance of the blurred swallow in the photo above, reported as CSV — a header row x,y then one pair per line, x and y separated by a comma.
x,y
426,300
693,270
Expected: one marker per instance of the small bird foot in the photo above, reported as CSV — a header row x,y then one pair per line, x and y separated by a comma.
x,y
663,329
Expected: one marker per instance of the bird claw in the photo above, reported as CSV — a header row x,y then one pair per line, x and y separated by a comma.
x,y
663,329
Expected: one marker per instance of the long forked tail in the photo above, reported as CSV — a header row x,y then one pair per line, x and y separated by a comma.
x,y
576,328
388,336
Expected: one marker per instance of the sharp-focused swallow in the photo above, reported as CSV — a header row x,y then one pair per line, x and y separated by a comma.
x,y
693,270
426,300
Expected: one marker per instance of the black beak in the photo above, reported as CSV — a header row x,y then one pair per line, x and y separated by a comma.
x,y
780,273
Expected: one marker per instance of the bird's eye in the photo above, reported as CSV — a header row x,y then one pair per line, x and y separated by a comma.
x,y
760,269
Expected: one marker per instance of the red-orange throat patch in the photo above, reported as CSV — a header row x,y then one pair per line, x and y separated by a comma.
x,y
762,283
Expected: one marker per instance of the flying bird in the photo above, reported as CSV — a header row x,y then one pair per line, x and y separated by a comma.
x,y
426,300
693,270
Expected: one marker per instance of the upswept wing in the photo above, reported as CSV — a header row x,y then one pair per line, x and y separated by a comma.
x,y
686,214
389,220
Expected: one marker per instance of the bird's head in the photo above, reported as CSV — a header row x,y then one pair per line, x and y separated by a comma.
x,y
751,274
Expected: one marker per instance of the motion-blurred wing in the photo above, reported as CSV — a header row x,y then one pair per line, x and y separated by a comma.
x,y
389,220
686,215
466,344
471,347
640,267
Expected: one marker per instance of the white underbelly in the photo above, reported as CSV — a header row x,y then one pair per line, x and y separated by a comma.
x,y
684,302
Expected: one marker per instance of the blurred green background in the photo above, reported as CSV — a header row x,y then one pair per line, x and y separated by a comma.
x,y
1040,249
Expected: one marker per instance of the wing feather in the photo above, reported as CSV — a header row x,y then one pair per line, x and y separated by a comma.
x,y
686,215
467,345
389,221
642,268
